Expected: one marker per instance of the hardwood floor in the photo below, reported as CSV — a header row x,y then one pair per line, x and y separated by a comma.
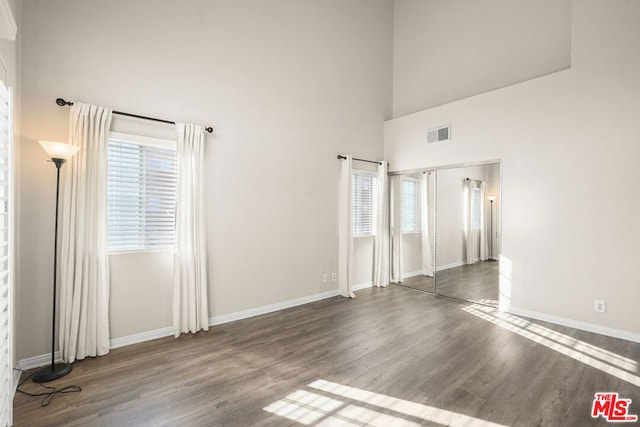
x,y
475,282
392,356
423,283
472,282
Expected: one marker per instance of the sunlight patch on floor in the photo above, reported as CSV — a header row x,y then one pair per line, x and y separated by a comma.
x,y
342,405
304,407
604,360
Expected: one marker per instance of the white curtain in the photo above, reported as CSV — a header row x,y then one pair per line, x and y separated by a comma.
x,y
84,268
381,243
345,229
397,273
475,227
426,226
190,299
484,242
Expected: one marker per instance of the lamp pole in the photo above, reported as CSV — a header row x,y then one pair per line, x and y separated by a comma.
x,y
54,371
491,199
59,153
491,228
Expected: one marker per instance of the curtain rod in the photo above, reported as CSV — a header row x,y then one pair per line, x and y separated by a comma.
x,y
341,157
61,102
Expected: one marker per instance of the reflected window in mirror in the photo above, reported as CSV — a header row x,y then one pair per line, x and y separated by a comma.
x,y
409,210
476,200
363,204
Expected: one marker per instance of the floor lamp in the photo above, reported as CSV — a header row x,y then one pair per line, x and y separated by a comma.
x,y
59,153
491,199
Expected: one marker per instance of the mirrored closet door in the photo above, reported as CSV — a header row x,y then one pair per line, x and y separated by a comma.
x,y
467,230
413,230
445,231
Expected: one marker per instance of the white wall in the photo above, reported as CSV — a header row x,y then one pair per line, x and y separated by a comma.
x,y
411,254
287,85
446,50
569,149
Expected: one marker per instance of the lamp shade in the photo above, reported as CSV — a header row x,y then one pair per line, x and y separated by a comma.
x,y
59,150
491,198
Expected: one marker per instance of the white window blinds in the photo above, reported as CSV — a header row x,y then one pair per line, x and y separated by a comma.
x,y
6,299
363,195
477,205
409,218
141,196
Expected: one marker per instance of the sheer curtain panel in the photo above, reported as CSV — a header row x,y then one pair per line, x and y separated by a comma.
x,y
381,243
397,273
345,229
426,190
190,299
84,267
475,227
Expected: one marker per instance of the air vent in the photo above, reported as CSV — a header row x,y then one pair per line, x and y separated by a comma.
x,y
439,134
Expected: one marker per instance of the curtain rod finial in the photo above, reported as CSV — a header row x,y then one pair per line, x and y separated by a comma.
x,y
61,102
209,129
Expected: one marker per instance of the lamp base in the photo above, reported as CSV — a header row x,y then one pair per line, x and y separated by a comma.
x,y
47,374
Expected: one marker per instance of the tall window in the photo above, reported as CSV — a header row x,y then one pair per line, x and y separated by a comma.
x,y
409,217
477,206
141,193
363,206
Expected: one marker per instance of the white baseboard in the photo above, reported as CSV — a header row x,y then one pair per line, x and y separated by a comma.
x,y
412,274
448,266
576,324
141,337
43,359
37,361
362,286
257,311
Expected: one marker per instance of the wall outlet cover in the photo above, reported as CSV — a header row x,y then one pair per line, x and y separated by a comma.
x,y
599,306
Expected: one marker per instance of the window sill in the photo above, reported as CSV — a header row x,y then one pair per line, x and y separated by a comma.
x,y
139,251
365,237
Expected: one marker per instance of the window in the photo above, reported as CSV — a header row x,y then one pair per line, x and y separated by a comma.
x,y
409,217
141,193
476,204
364,202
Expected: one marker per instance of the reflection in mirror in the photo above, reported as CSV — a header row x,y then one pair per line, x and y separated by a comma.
x,y
412,230
467,227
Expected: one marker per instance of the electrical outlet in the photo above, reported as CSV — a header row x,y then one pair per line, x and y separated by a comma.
x,y
325,278
334,277
599,306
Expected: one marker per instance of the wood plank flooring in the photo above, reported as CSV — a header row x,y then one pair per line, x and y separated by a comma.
x,y
392,356
473,282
